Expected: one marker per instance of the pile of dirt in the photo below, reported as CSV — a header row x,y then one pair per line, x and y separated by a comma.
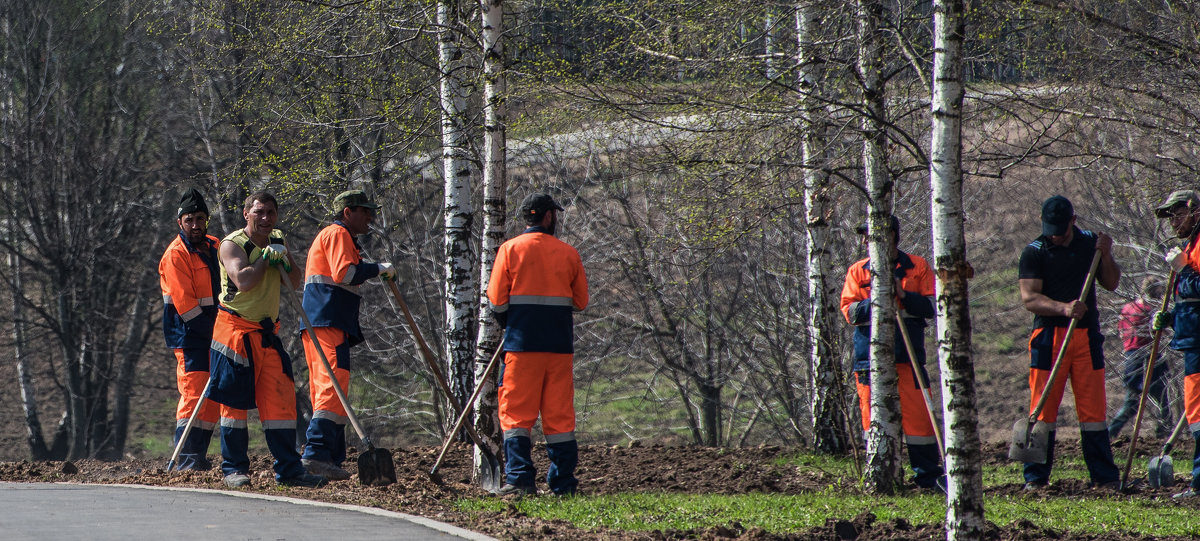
x,y
603,470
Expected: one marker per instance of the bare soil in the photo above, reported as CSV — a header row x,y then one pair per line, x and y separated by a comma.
x,y
602,470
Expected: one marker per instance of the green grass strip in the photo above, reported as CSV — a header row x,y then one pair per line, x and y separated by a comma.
x,y
779,513
788,513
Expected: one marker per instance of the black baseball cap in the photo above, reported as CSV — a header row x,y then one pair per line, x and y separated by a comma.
x,y
863,228
537,203
1056,216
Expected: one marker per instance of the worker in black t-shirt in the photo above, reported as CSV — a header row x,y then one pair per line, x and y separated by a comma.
x,y
1051,273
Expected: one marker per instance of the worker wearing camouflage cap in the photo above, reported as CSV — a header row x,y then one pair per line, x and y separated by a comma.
x,y
333,273
1182,209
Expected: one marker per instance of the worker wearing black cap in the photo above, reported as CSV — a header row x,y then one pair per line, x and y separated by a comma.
x,y
1051,276
187,275
536,285
914,293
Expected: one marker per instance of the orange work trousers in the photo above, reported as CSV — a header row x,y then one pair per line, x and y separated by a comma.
x,y
537,382
914,417
1087,382
325,401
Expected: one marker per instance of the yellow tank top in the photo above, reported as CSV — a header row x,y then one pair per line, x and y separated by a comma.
x,y
262,301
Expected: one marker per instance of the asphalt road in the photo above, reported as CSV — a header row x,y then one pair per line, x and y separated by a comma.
x,y
53,511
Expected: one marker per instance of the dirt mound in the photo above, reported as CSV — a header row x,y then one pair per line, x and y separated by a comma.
x,y
603,470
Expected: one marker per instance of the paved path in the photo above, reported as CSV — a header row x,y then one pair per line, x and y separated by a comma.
x,y
46,512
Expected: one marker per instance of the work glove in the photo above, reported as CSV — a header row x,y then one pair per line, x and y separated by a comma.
x,y
1162,320
387,271
1176,258
276,255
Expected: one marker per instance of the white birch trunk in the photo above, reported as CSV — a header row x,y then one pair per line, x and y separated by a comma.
x,y
769,43
964,497
825,366
495,182
462,292
883,472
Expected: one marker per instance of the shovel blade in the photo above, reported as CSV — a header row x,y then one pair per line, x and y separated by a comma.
x,y
1161,471
1029,443
492,476
376,468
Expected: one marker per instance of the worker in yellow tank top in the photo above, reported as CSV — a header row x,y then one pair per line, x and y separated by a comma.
x,y
249,366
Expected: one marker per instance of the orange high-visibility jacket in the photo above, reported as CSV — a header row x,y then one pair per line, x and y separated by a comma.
x,y
187,276
916,280
332,275
538,282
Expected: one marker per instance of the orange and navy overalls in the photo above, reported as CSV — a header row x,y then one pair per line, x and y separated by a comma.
x,y
1063,270
333,272
250,368
915,306
1186,339
536,285
188,279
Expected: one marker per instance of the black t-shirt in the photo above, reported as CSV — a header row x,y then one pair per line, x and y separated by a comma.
x,y
1062,270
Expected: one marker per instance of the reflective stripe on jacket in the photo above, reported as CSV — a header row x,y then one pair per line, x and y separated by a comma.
x,y
538,281
187,276
916,305
332,276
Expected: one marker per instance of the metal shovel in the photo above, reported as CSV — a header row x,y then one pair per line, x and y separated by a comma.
x,y
1161,469
490,477
1031,437
375,466
1147,376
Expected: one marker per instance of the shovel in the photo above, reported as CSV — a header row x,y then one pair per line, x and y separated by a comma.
x,y
1161,470
923,384
490,477
187,429
458,423
1137,421
1030,436
375,466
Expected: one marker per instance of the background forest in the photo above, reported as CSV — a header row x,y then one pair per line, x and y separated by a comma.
x,y
680,136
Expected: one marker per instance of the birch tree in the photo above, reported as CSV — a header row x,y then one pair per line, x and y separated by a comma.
x,y
883,471
825,365
964,490
495,208
462,292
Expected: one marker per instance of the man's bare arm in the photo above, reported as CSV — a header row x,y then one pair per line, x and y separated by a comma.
x,y
242,273
1036,302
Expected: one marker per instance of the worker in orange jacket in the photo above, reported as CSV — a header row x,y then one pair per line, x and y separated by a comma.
x,y
187,274
1182,209
914,292
536,285
1051,275
250,368
334,271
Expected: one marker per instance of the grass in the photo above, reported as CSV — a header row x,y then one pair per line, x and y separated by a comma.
x,y
780,513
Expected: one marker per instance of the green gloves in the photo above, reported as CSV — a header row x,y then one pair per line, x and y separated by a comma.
x,y
1162,320
276,255
387,271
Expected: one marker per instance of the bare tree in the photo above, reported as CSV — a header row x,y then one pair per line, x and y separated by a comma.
x,y
79,138
964,490
825,365
883,471
495,184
